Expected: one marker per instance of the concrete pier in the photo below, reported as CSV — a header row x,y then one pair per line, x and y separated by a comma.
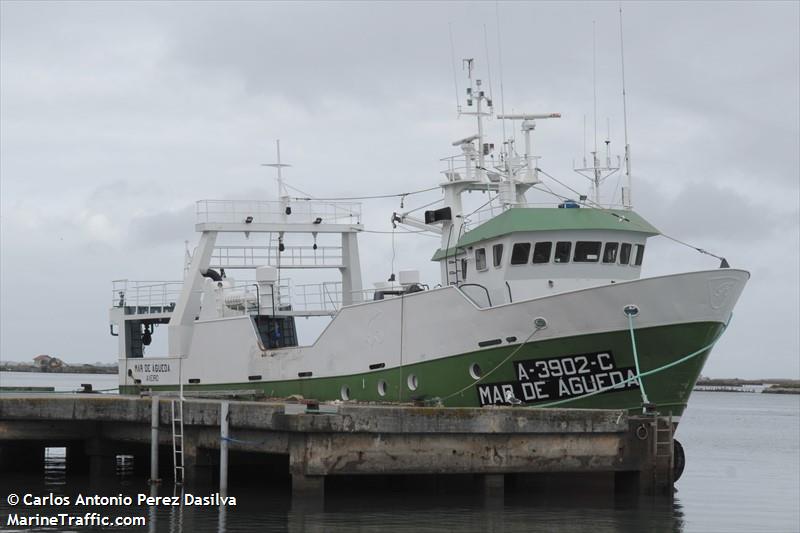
x,y
345,439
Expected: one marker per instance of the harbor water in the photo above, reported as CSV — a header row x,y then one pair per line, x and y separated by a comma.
x,y
742,475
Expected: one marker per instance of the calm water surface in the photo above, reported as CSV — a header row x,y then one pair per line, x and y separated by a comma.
x,y
742,475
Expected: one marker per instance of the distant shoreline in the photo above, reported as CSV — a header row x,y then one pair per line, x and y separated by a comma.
x,y
767,386
71,369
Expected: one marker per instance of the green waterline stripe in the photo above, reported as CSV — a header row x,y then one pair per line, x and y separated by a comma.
x,y
333,382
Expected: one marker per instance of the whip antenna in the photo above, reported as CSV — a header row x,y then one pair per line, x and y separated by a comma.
x,y
594,91
488,65
500,65
453,62
626,191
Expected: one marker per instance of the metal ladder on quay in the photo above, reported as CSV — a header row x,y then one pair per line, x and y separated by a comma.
x,y
177,440
664,451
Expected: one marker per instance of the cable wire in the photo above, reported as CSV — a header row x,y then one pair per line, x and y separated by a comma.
x,y
370,197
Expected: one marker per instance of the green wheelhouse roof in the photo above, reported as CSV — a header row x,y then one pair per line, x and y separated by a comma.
x,y
552,219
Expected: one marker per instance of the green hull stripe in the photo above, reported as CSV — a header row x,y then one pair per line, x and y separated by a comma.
x,y
442,377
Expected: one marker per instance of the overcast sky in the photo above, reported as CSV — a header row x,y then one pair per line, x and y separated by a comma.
x,y
115,117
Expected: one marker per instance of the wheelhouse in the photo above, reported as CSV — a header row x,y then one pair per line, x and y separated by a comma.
x,y
527,252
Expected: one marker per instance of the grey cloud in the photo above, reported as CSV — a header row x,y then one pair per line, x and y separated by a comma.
x,y
165,227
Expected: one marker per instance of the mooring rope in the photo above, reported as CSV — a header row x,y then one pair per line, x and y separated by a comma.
x,y
636,359
501,363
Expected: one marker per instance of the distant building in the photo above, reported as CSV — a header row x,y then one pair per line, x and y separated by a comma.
x,y
45,362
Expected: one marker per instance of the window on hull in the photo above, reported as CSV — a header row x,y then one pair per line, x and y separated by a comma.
x,y
639,255
625,253
520,253
587,252
480,259
276,331
541,252
497,255
610,252
563,249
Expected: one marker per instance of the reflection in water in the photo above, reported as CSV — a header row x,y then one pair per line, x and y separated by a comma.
x,y
55,467
152,518
124,465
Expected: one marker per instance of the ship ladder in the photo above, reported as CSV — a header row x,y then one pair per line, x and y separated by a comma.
x,y
177,440
452,275
663,451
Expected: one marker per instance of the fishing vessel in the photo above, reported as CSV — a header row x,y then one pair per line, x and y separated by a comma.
x,y
535,306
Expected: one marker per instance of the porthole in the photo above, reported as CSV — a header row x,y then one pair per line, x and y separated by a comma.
x,y
381,388
412,382
345,392
475,371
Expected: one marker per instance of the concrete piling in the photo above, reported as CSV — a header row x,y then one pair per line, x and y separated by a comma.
x,y
154,420
224,436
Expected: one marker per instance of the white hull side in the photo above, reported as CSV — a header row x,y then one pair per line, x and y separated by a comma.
x,y
440,323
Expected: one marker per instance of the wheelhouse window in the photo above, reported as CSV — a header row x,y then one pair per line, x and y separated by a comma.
x,y
520,253
625,253
587,252
464,269
541,252
497,255
563,248
639,255
610,252
480,259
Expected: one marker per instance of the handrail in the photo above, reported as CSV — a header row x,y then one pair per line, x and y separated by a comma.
x,y
488,298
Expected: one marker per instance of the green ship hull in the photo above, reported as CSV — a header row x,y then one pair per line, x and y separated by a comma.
x,y
483,377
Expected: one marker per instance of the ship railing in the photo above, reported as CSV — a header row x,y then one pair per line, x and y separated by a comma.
x,y
248,297
317,297
302,212
457,168
291,257
145,297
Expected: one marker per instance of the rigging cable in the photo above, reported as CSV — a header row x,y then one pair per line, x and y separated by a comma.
x,y
424,206
424,232
492,199
724,262
370,197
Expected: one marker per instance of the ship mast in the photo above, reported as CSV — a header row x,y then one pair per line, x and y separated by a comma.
x,y
283,193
